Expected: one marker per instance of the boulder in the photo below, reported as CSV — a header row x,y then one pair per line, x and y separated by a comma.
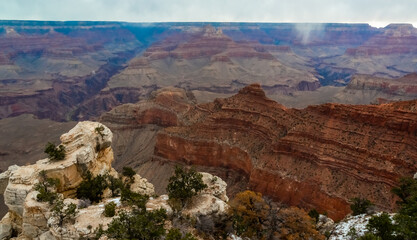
x,y
142,186
215,186
210,201
205,205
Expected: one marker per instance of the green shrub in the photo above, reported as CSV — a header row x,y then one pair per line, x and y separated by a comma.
x,y
110,209
114,184
381,226
406,219
64,211
369,236
175,234
360,205
185,184
314,214
100,130
129,173
45,187
55,153
134,199
352,234
92,187
406,191
138,224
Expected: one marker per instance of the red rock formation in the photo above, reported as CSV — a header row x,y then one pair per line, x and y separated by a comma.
x,y
396,39
405,86
318,157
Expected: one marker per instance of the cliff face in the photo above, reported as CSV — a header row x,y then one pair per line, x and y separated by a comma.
x,y
318,157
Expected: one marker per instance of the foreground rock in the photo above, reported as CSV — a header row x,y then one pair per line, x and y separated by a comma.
x,y
87,149
351,225
211,202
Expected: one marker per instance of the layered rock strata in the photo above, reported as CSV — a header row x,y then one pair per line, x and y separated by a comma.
x,y
208,60
318,157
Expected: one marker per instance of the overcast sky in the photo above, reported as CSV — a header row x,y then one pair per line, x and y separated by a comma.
x,y
376,12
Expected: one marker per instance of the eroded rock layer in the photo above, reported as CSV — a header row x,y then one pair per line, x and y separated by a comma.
x,y
318,157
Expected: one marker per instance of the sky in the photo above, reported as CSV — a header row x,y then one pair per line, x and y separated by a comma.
x,y
378,13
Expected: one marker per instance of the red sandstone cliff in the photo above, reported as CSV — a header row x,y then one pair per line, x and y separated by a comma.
x,y
318,157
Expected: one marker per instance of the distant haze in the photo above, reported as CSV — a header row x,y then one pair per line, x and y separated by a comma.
x,y
375,12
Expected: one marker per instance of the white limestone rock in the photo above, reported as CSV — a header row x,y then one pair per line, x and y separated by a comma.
x,y
6,227
87,149
210,201
215,186
324,224
4,177
205,205
142,186
158,203
359,222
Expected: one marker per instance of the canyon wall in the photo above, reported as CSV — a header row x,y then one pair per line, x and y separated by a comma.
x,y
318,157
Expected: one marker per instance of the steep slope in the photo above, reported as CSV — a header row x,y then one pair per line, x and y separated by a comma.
x,y
318,157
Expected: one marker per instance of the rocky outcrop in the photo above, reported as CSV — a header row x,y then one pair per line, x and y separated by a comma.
x,y
318,157
87,149
211,202
142,186
341,229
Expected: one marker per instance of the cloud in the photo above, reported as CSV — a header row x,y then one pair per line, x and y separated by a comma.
x,y
375,11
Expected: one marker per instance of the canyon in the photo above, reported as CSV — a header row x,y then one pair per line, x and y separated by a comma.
x,y
183,93
318,157
78,70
